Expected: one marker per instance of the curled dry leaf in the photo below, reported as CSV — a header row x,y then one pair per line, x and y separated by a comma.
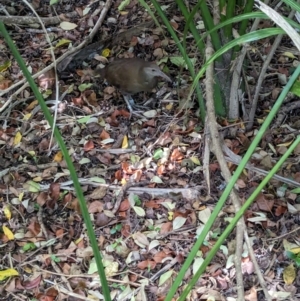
x,y
95,206
102,219
147,264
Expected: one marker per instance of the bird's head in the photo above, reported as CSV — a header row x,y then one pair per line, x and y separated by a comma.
x,y
154,71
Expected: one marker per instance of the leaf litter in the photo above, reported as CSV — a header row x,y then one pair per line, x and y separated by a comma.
x,y
146,240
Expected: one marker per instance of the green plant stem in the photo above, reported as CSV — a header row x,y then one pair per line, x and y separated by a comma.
x,y
249,37
243,26
222,5
293,4
236,218
209,25
184,54
189,17
218,99
230,186
230,10
67,157
248,8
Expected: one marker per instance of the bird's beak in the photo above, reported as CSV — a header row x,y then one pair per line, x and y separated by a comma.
x,y
163,75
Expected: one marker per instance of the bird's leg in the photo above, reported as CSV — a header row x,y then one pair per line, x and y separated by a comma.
x,y
147,103
132,106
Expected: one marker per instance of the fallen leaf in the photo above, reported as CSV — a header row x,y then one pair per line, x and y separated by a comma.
x,y
147,264
17,138
289,274
7,212
67,25
8,233
8,273
89,145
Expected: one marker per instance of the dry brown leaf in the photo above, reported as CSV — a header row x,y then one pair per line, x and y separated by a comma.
x,y
104,135
252,296
89,145
124,206
146,264
98,193
34,228
95,206
102,219
152,204
176,155
165,228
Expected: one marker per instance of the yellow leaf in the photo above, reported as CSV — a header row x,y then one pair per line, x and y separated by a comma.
x,y
106,52
291,247
195,160
27,116
8,273
169,106
111,269
289,274
125,142
5,66
288,143
38,179
27,269
295,250
170,215
32,105
18,138
8,233
58,157
21,196
7,212
77,241
62,42
289,54
123,181
259,120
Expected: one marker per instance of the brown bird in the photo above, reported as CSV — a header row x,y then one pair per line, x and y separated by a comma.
x,y
132,76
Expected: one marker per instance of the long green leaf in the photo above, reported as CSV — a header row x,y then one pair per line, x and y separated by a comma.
x,y
67,157
236,218
249,37
230,186
183,52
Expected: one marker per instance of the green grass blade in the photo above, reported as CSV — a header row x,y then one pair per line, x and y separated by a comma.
x,y
67,157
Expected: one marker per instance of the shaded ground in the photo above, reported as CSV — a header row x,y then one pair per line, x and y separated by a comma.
x,y
166,201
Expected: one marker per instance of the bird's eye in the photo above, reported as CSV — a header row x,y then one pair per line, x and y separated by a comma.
x,y
153,70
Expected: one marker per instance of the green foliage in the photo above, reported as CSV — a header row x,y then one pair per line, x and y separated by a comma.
x,y
29,247
296,190
55,258
294,257
64,150
296,88
158,153
117,244
36,206
115,229
153,228
52,2
137,200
